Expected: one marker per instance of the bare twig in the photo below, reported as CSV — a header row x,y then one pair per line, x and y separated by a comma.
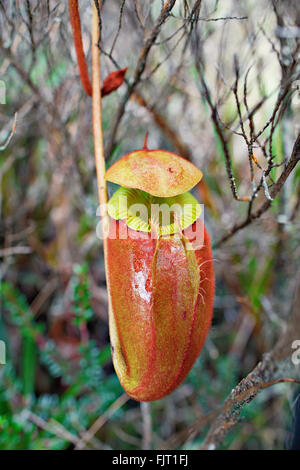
x,y
190,432
15,250
140,67
5,144
218,127
291,164
53,427
88,435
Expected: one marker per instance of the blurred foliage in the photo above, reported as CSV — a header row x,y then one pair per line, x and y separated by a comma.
x,y
85,389
79,386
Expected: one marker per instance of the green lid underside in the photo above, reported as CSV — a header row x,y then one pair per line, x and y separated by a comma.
x,y
141,211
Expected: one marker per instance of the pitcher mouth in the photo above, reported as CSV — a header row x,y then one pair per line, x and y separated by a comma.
x,y
144,212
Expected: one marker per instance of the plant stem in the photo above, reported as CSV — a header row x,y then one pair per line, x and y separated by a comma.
x,y
97,110
97,127
147,425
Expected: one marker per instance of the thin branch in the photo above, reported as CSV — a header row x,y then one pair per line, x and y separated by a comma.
x,y
5,144
140,67
88,435
291,164
15,250
217,124
119,27
241,395
52,427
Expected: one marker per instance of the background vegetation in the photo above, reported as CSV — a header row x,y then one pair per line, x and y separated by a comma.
x,y
217,82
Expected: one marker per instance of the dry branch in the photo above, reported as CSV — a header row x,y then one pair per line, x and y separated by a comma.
x,y
291,164
264,375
